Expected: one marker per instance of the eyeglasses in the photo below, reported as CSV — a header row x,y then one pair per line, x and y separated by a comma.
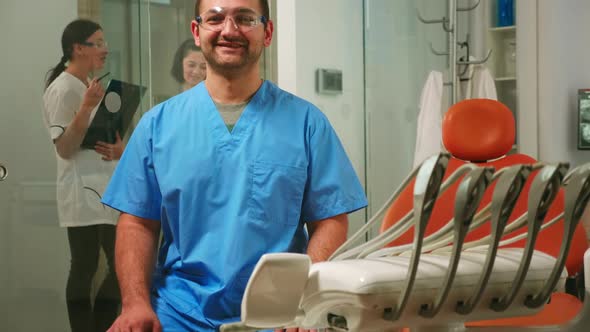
x,y
243,19
99,44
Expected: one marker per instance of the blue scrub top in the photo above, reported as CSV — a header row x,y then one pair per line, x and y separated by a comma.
x,y
225,199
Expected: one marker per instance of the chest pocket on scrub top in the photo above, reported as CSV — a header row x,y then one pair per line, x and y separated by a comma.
x,y
276,193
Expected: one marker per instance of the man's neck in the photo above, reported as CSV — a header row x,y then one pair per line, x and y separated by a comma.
x,y
234,89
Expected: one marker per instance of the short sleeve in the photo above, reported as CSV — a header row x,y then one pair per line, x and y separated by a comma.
x,y
134,188
333,187
60,108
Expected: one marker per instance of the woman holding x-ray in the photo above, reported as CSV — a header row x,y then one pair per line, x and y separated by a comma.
x,y
70,102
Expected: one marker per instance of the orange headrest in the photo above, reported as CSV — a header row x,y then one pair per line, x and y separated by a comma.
x,y
478,130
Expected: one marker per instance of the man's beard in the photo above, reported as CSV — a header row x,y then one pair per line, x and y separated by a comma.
x,y
249,58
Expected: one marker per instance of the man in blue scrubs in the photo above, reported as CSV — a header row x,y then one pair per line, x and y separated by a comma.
x,y
229,170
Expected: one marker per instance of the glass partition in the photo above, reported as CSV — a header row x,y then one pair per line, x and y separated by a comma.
x,y
35,255
34,250
143,37
126,27
397,62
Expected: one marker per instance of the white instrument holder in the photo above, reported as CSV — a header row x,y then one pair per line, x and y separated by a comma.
x,y
439,290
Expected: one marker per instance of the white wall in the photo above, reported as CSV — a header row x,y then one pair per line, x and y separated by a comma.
x,y
33,249
564,67
326,34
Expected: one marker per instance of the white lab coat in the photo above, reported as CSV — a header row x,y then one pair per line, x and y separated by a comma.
x,y
81,180
480,85
429,125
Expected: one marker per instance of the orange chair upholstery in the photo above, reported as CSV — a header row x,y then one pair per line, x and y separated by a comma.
x,y
482,131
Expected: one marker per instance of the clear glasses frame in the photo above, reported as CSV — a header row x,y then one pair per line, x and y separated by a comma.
x,y
100,44
244,20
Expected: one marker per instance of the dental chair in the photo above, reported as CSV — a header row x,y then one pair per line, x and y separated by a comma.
x,y
461,242
482,131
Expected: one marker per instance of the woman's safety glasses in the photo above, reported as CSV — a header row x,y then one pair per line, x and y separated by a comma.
x,y
99,44
243,19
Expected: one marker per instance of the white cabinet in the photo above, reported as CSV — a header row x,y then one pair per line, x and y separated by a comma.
x,y
503,60
502,63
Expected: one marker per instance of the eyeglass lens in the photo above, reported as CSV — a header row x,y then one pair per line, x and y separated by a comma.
x,y
244,19
97,44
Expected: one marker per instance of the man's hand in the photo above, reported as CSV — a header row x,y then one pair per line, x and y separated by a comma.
x,y
137,319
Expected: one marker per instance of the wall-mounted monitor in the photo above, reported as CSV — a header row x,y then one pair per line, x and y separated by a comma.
x,y
584,119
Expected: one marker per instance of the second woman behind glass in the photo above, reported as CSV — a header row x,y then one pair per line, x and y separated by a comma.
x,y
189,67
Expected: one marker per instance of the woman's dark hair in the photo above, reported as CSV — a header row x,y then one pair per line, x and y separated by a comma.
x,y
182,51
76,32
263,4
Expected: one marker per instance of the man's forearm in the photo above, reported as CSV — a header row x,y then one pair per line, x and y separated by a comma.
x,y
135,252
325,236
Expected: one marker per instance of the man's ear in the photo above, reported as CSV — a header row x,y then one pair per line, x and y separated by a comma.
x,y
195,32
268,32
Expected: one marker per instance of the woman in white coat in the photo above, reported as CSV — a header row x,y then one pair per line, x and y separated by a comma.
x,y
70,100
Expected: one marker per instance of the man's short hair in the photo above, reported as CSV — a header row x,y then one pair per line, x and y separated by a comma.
x,y
263,4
